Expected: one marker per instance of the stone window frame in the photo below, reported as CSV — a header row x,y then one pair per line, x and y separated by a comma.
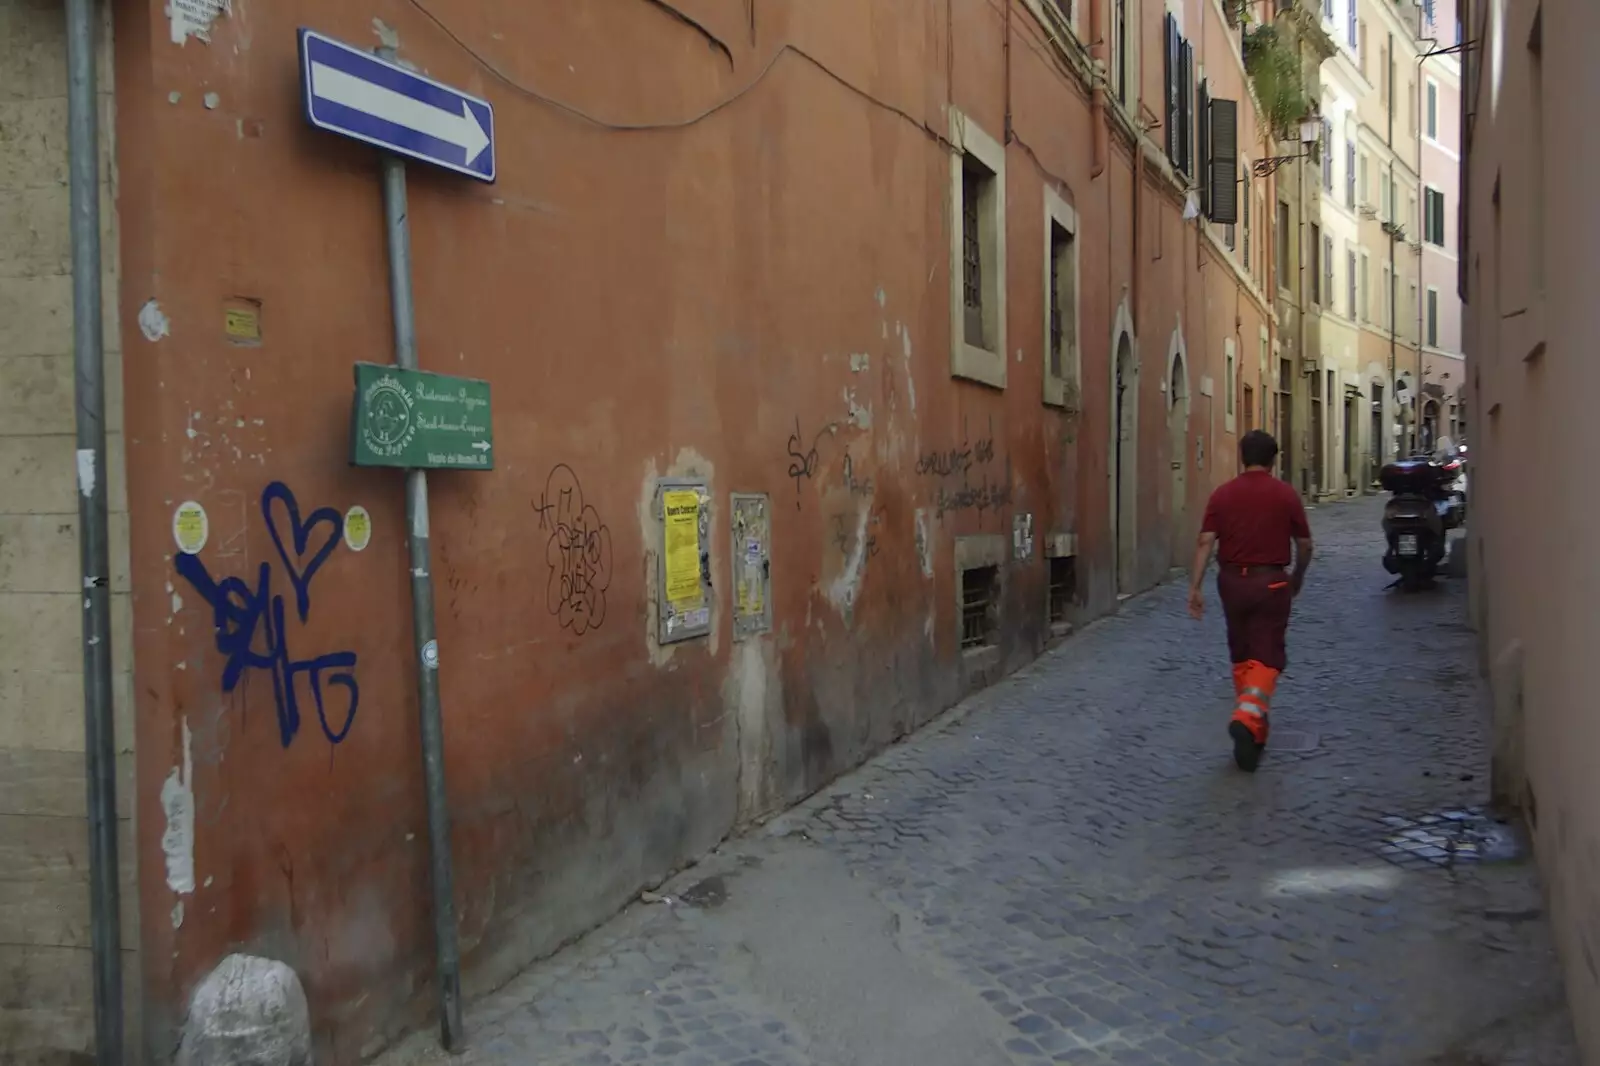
x,y
977,552
1230,385
1365,289
1057,546
987,364
1062,390
1266,418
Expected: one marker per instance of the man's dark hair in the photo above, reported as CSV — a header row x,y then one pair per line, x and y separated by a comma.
x,y
1257,448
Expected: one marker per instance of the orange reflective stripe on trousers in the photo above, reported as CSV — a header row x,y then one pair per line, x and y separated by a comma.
x,y
1254,684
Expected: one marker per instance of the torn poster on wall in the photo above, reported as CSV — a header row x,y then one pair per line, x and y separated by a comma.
x,y
1022,536
752,570
193,18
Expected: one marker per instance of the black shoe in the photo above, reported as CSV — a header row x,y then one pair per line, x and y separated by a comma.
x,y
1246,752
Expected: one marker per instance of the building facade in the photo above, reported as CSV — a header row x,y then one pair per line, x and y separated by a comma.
x,y
1301,299
1528,252
1346,401
1444,379
46,999
947,316
1387,179
1372,357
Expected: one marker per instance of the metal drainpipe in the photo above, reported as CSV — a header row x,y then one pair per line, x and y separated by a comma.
x,y
1400,439
1305,305
88,357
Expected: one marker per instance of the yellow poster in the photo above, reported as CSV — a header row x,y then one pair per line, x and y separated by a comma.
x,y
682,511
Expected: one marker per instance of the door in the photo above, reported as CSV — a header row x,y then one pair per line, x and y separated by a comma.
x,y
1319,477
1288,453
1380,446
1349,474
1178,436
1124,478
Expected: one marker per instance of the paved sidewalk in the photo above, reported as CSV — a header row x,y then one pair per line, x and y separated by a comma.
x,y
1071,871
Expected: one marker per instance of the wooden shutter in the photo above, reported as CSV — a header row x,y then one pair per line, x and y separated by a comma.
x,y
1186,109
1170,80
1223,132
1203,147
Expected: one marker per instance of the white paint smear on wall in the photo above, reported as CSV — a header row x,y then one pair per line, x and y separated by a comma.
x,y
911,381
177,800
153,322
846,588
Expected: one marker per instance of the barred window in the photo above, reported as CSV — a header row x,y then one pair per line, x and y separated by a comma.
x,y
976,227
973,179
980,601
1060,276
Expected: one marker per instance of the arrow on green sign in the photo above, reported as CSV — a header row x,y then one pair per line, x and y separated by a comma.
x,y
420,421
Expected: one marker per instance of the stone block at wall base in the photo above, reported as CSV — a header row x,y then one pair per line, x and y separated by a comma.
x,y
1507,773
248,1012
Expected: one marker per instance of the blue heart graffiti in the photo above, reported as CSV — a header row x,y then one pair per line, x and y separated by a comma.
x,y
250,630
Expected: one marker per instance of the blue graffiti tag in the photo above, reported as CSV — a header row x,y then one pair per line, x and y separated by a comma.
x,y
250,621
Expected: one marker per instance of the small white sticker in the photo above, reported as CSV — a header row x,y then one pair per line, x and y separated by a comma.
x,y
357,528
86,475
430,655
190,527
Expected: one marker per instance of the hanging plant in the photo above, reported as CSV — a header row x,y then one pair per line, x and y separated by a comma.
x,y
1274,69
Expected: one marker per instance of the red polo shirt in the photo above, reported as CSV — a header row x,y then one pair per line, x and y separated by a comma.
x,y
1255,517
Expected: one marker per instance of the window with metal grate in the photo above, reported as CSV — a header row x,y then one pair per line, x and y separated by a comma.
x,y
1063,588
1061,285
974,178
980,608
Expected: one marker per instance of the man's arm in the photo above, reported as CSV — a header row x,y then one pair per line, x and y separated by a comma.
x,y
1300,530
1197,572
1302,562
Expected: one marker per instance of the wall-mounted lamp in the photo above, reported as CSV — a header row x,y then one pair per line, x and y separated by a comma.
x,y
1310,134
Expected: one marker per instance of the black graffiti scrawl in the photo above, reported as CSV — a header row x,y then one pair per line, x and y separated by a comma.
x,y
578,552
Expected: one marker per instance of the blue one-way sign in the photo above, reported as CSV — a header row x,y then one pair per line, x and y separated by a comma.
x,y
356,94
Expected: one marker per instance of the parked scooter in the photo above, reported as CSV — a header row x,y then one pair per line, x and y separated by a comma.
x,y
1457,460
1424,505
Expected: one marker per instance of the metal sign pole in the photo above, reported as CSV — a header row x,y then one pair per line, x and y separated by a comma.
x,y
446,949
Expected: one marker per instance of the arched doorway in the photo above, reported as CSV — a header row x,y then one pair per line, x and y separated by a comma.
x,y
1124,465
1178,436
1430,426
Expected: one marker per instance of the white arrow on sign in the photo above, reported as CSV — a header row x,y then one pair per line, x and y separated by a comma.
x,y
462,130
481,445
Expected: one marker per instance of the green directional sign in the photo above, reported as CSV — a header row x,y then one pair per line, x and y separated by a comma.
x,y
413,419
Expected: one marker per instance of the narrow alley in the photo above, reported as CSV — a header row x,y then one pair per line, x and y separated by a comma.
x,y
1069,869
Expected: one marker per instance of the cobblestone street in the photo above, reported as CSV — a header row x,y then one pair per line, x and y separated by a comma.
x,y
1069,869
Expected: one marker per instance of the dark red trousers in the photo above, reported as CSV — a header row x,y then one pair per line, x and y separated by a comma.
x,y
1255,603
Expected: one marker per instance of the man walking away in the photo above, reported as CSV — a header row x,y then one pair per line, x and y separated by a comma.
x,y
1251,521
